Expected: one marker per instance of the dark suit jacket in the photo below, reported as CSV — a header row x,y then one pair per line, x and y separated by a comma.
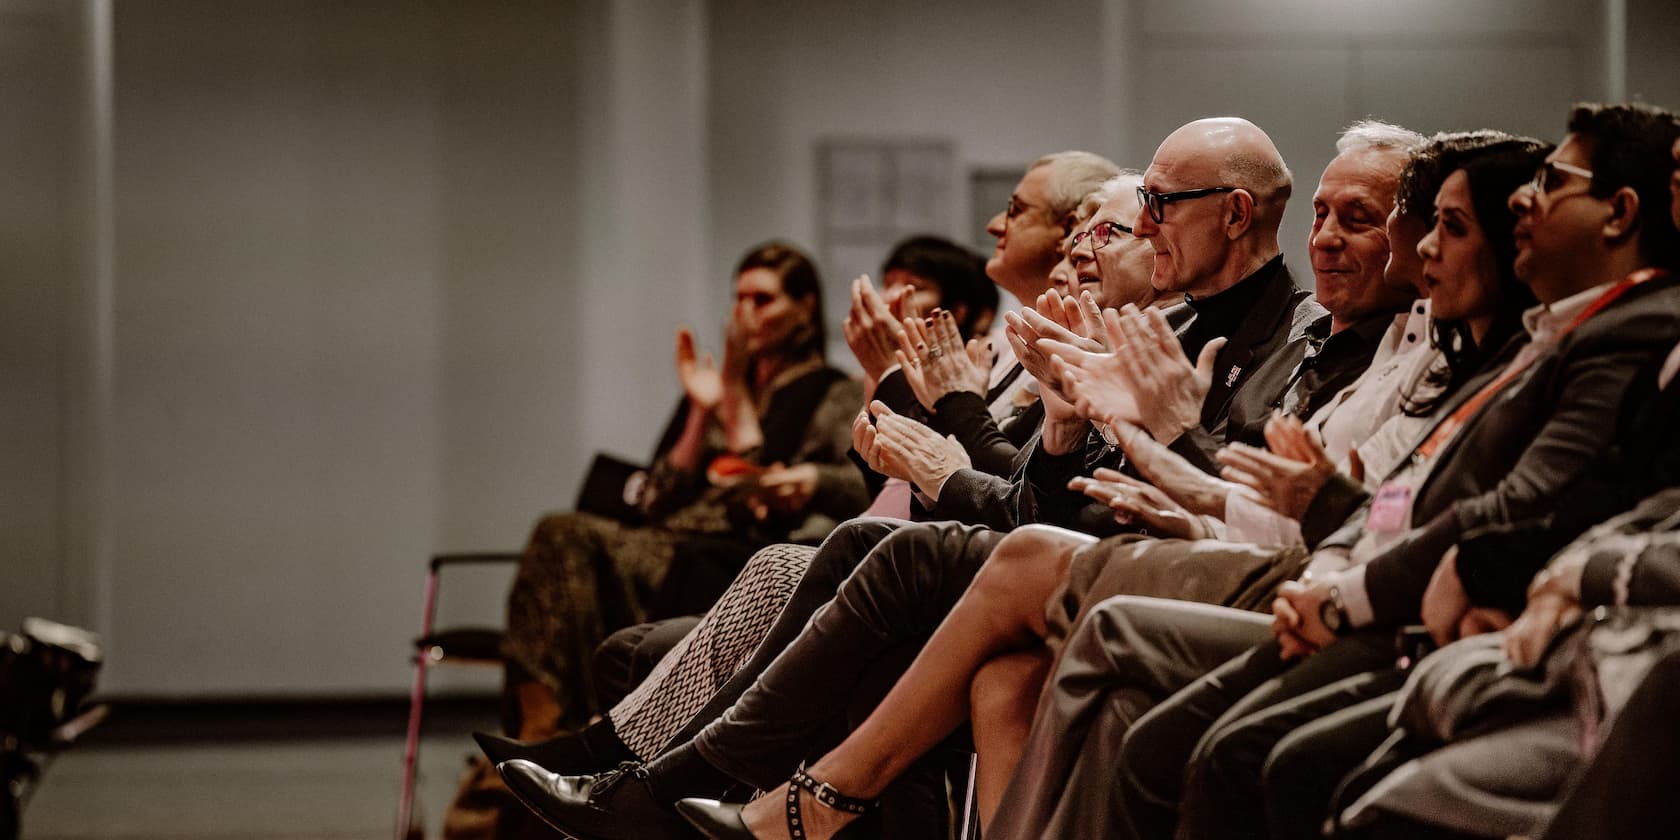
x,y
1550,429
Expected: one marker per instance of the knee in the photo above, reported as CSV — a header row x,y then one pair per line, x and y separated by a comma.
x,y
1033,551
849,543
1147,772
553,527
1229,758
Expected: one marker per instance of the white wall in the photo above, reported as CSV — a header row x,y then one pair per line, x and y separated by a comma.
x,y
1007,82
34,232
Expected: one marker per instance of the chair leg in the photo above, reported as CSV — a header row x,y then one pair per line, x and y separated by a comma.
x,y
416,704
971,804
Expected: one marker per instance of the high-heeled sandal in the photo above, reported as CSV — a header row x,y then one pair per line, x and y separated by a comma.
x,y
721,821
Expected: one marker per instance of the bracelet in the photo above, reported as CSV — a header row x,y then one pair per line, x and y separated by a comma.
x,y
1623,579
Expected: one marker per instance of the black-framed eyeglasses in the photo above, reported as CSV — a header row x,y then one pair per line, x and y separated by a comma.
x,y
1156,203
1016,207
1100,235
1551,175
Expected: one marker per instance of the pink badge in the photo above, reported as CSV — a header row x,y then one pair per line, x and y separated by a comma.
x,y
1391,509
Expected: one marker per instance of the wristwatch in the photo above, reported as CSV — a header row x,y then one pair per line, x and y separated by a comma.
x,y
1331,611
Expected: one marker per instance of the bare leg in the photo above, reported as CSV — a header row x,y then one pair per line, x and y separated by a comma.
x,y
1004,698
1002,612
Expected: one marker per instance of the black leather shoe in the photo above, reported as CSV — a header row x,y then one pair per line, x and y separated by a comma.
x,y
717,820
565,754
616,805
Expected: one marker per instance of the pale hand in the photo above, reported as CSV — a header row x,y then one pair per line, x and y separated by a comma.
x,y
1146,375
1445,603
910,450
872,330
1297,617
1193,489
936,362
1135,501
1554,599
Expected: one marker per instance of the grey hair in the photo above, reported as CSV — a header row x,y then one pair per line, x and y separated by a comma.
x,y
1075,176
1104,193
1379,136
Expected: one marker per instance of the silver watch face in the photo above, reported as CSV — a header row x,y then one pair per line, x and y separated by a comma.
x,y
1331,615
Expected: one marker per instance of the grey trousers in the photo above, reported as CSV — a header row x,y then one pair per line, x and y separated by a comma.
x,y
1127,655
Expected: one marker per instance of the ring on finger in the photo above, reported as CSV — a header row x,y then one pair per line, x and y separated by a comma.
x,y
935,352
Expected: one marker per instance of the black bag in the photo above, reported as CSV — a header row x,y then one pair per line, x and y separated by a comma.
x,y
47,672
611,489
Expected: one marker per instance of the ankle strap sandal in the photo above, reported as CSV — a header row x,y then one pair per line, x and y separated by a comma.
x,y
825,794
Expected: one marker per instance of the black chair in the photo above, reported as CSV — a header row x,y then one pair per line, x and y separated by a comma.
x,y
480,646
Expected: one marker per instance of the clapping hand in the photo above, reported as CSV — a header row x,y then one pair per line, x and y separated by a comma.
x,y
1137,501
700,377
873,328
1286,478
1064,427
937,363
1145,379
902,448
1184,482
1053,316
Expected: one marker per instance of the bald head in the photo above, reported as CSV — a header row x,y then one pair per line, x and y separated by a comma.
x,y
1206,242
1234,152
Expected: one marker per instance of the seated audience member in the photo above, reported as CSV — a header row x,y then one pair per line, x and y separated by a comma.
x,y
1000,610
1509,772
1627,561
1029,232
1538,420
1127,654
770,727
773,409
926,273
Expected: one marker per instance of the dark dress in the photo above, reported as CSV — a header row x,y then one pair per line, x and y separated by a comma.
x,y
583,575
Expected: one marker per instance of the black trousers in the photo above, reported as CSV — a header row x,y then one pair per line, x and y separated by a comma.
x,y
853,649
1306,769
1203,750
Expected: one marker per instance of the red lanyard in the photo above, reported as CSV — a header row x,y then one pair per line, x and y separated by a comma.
x,y
1450,426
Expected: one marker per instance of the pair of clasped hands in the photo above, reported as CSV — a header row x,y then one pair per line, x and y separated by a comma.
x,y
723,393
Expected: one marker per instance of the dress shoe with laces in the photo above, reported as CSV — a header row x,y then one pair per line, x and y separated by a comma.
x,y
616,805
565,754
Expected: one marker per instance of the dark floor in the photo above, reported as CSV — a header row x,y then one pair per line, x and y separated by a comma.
x,y
247,771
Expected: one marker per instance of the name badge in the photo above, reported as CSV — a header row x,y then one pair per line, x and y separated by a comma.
x,y
1391,508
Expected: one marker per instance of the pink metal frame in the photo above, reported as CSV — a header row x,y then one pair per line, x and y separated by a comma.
x,y
416,700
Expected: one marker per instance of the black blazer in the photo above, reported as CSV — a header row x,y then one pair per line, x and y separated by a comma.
x,y
1550,429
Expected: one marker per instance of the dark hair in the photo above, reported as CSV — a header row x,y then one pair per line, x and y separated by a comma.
x,y
1431,163
1631,148
1493,171
799,281
959,273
